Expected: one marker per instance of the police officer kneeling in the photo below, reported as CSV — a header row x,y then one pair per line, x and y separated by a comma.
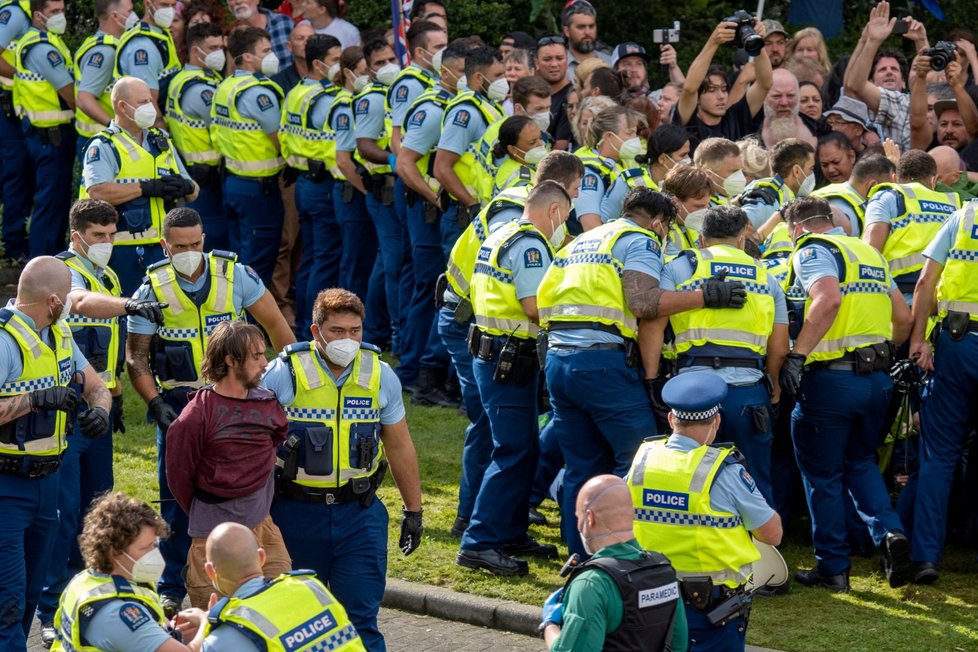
x,y
623,597
698,504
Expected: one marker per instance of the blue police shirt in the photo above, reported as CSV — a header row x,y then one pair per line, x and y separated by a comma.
x,y
341,122
882,207
14,23
11,364
96,68
45,60
141,58
125,626
77,280
464,125
528,259
846,210
614,199
423,130
813,262
230,639
404,92
760,211
197,98
317,116
637,253
102,162
592,192
259,103
368,116
504,216
733,490
679,271
943,242
247,290
278,378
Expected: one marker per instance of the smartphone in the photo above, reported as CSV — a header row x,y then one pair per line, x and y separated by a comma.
x,y
900,27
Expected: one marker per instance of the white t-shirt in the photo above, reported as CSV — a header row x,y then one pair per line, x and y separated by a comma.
x,y
345,31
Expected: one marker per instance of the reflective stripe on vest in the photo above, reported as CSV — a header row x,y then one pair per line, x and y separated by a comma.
x,y
111,324
924,212
384,141
34,96
467,167
85,125
191,136
8,53
301,142
958,289
168,53
247,150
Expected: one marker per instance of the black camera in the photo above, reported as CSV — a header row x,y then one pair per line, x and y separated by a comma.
x,y
746,38
941,54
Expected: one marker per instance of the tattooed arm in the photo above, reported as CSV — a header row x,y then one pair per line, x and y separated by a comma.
x,y
137,363
647,300
14,407
96,394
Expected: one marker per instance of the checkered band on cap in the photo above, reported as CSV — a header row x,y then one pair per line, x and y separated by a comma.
x,y
696,416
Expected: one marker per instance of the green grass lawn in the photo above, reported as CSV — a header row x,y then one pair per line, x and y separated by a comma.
x,y
871,617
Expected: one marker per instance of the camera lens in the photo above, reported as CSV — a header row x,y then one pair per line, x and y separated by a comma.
x,y
939,61
753,43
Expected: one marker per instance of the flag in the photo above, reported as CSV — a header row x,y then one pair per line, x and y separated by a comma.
x,y
933,7
401,9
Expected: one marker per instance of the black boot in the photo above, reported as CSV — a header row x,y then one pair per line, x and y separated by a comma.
x,y
429,391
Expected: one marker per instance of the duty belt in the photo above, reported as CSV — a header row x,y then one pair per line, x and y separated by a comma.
x,y
352,490
720,363
852,361
29,467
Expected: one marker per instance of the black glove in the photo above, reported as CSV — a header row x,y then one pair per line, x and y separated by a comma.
x,y
54,398
154,188
653,388
411,529
775,413
151,310
718,293
176,186
163,413
289,176
790,375
94,423
118,423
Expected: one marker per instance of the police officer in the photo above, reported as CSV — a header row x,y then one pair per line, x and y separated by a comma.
x,y
86,468
201,291
838,370
94,65
591,311
147,51
722,160
604,160
44,94
849,197
17,180
699,506
455,316
292,602
466,119
947,287
602,598
246,114
511,264
188,116
425,40
902,219
746,347
133,166
113,604
332,463
304,148
40,368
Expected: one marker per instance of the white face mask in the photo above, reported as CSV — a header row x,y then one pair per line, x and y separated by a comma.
x,y
186,262
807,186
630,148
65,309
734,184
341,352
463,84
148,568
559,234
243,12
56,24
131,20
144,115
541,120
388,73
269,64
535,155
164,16
99,253
436,60
694,220
215,60
498,90
333,71
360,83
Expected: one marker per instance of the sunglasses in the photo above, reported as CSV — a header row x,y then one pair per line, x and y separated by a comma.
x,y
551,40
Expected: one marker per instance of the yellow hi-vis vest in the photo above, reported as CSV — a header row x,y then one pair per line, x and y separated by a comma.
x,y
6,83
163,41
292,613
846,193
606,168
300,141
360,102
191,135
747,328
778,242
34,96
436,98
958,289
485,172
187,327
85,595
426,78
924,210
246,148
141,220
493,290
584,282
85,125
42,433
468,167
671,495
510,174
864,317
333,424
462,259
343,99
97,338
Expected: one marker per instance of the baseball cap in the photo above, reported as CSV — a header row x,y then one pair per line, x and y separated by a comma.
x,y
772,26
628,49
940,106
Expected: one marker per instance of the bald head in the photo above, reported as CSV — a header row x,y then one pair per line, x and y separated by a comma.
x,y
608,499
42,277
233,552
127,88
948,163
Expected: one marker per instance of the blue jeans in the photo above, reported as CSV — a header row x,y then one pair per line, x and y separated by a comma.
x,y
500,515
477,449
175,547
322,246
737,426
27,532
347,547
130,263
16,187
600,417
52,200
222,233
85,472
837,426
256,206
359,238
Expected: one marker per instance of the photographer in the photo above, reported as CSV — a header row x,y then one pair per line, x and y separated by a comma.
x,y
702,106
921,133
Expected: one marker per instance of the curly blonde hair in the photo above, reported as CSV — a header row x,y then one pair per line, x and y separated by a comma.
x,y
112,524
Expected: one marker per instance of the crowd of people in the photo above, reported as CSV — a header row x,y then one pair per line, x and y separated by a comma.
x,y
778,256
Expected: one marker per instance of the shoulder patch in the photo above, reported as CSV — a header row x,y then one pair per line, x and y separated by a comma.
x,y
55,59
417,118
401,95
462,118
94,154
653,246
252,273
96,60
207,96
362,107
264,102
808,253
532,258
589,182
746,478
133,615
342,122
141,58
4,17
